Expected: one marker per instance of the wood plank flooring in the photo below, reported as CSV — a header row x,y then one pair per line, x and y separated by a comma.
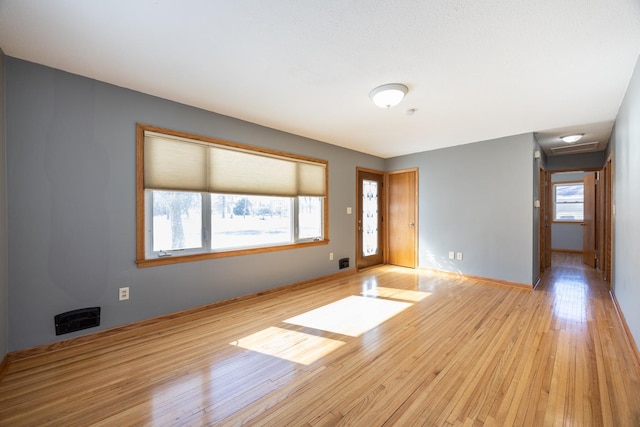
x,y
387,346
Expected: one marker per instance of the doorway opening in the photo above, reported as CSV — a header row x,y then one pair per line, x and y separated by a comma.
x,y
387,212
577,219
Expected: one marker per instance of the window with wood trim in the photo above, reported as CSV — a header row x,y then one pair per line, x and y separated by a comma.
x,y
202,198
568,201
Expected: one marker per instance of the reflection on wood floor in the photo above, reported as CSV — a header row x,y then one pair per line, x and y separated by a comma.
x,y
387,346
568,260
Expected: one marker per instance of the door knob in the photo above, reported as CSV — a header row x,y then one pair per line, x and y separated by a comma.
x,y
411,224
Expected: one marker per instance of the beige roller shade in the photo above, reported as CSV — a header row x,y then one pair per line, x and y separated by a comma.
x,y
175,163
238,172
311,179
171,164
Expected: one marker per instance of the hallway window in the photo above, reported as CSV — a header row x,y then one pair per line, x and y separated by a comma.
x,y
568,198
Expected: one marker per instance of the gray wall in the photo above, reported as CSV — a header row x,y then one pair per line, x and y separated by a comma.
x,y
71,206
625,144
572,162
564,235
477,199
4,275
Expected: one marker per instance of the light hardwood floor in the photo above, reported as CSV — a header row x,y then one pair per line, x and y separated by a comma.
x,y
387,346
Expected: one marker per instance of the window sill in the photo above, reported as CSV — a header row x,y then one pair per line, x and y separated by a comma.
x,y
176,259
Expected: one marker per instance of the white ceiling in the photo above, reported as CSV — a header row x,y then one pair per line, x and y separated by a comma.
x,y
475,70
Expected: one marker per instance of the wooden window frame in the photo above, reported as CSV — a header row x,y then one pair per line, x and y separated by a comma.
x,y
141,259
554,204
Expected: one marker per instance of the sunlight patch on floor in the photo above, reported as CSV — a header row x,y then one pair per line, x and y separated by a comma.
x,y
570,302
290,345
352,316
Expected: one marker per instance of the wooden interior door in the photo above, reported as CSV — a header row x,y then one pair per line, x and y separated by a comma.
x,y
589,221
369,250
402,217
600,218
607,251
548,216
543,220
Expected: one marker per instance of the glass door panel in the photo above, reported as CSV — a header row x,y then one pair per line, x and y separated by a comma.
x,y
369,219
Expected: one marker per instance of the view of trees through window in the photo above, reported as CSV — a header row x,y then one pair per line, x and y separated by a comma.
x,y
245,221
177,220
184,220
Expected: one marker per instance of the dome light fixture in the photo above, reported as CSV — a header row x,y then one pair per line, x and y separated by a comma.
x,y
386,96
572,138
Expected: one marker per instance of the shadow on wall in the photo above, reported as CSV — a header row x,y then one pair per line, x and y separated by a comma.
x,y
77,251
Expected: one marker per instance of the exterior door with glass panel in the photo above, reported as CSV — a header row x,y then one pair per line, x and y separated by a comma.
x,y
369,209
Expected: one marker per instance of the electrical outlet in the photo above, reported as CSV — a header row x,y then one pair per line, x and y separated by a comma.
x,y
459,256
452,255
330,256
123,294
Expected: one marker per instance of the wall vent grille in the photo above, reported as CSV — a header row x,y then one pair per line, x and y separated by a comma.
x,y
576,148
76,320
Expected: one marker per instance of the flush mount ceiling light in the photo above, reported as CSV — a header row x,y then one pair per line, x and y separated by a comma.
x,y
572,138
386,96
